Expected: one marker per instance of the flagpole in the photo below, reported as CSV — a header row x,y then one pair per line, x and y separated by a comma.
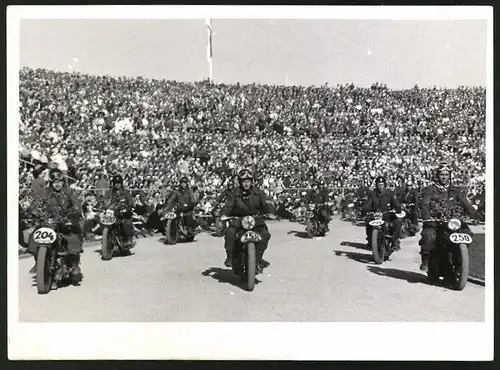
x,y
208,23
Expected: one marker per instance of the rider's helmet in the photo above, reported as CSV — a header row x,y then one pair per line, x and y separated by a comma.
x,y
55,174
117,179
380,180
245,174
443,169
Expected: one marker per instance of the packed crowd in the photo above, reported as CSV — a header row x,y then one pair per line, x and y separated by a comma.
x,y
154,131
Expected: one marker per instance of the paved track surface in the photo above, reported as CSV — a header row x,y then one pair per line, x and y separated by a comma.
x,y
325,279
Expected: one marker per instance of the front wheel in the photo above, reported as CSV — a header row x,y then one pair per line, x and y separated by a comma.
x,y
219,227
460,267
433,269
172,232
106,245
378,248
251,266
310,228
43,273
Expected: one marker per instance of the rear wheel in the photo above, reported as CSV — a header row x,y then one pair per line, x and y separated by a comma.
x,y
43,273
172,232
460,266
251,266
378,247
106,245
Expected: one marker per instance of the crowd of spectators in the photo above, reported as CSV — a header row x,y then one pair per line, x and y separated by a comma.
x,y
153,131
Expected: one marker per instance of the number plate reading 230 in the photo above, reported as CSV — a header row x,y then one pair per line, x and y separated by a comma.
x,y
460,238
251,237
45,236
108,220
376,222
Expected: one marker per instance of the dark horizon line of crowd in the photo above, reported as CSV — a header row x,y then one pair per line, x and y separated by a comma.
x,y
256,84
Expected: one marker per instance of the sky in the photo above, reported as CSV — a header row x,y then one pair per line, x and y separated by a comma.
x,y
285,52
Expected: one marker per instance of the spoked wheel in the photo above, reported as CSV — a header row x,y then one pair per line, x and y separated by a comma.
x,y
460,267
433,269
43,270
378,247
106,245
310,228
219,227
172,232
251,262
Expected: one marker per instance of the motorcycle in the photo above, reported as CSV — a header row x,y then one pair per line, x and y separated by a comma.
x,y
244,256
407,229
53,264
382,238
450,258
313,225
176,229
112,239
220,226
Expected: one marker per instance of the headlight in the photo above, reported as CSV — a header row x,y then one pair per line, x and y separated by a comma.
x,y
378,215
248,222
454,224
312,207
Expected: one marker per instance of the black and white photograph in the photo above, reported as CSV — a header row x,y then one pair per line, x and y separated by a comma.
x,y
222,182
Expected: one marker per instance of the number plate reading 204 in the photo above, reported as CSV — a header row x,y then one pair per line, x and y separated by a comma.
x,y
44,236
251,237
460,238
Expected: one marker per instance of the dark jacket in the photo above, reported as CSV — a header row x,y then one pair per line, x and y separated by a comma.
x,y
410,196
184,198
120,198
226,194
383,202
399,193
450,200
318,197
256,203
362,192
57,206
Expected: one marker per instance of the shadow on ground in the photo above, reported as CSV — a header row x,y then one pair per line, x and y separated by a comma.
x,y
356,256
180,241
356,245
299,234
226,276
64,283
115,254
409,276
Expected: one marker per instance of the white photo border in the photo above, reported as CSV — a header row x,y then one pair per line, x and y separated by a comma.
x,y
276,341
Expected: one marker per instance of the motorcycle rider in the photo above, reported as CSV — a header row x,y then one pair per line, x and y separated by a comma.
x,y
60,204
248,200
438,197
381,199
185,199
410,196
122,202
228,192
318,195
